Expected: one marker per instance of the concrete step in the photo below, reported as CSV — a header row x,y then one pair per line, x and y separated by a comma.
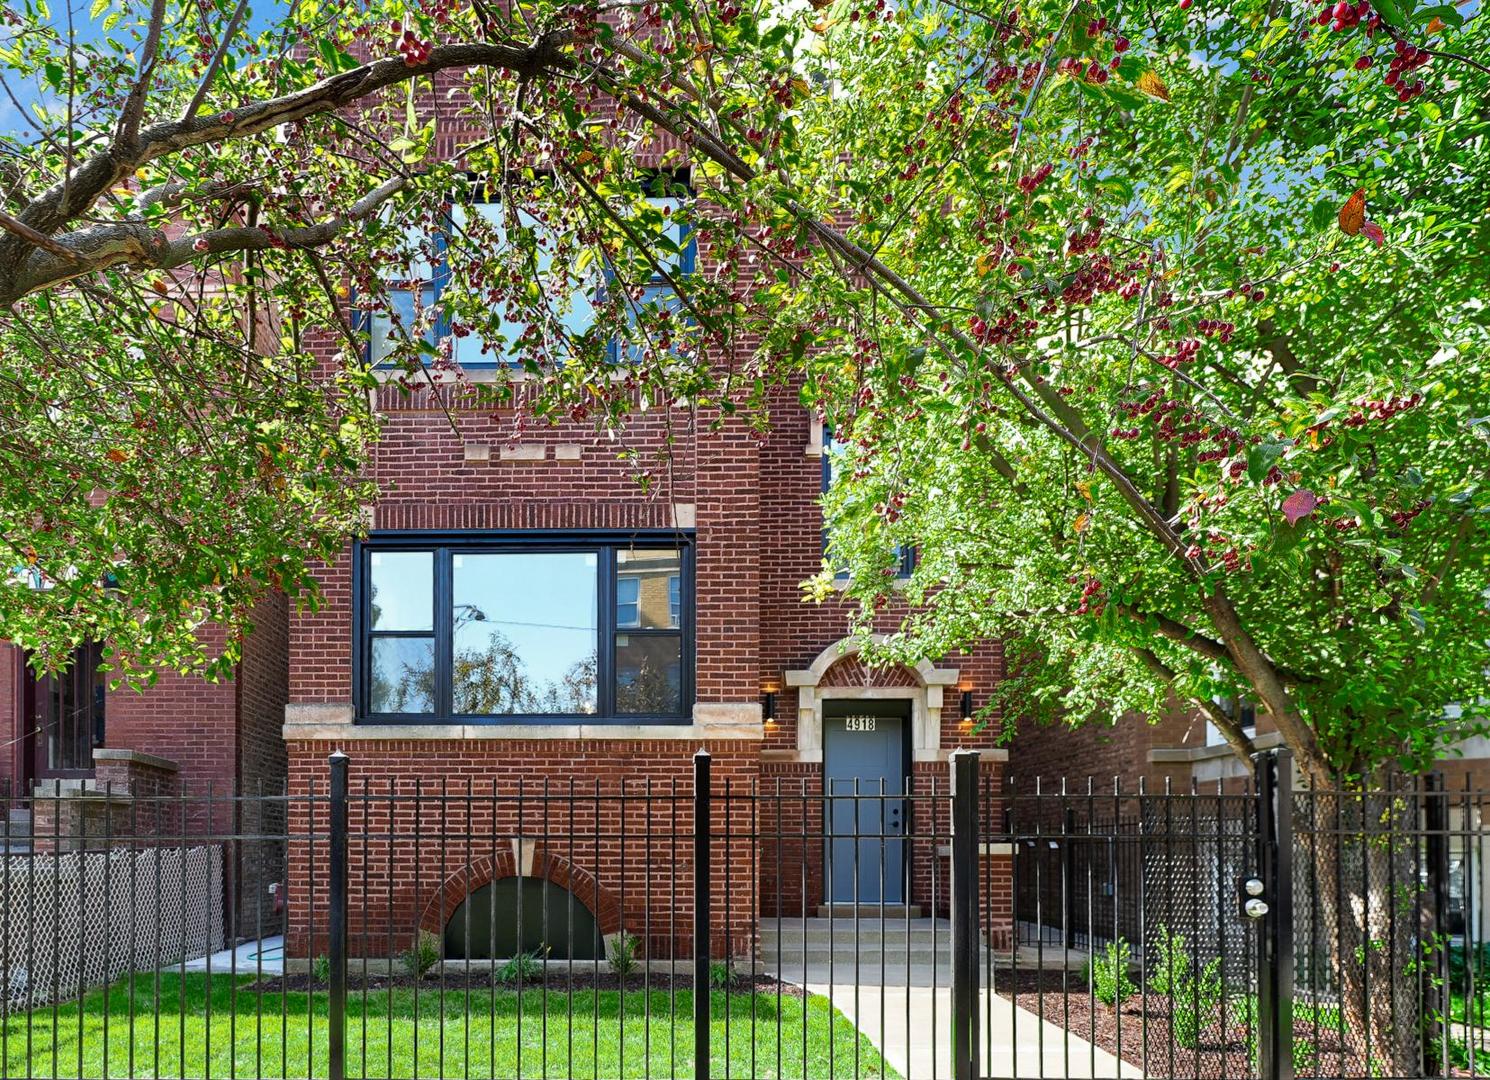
x,y
870,911
920,933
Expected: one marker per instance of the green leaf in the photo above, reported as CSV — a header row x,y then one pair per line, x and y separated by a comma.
x,y
98,8
1445,13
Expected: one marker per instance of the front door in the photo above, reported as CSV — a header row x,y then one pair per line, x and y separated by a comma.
x,y
865,764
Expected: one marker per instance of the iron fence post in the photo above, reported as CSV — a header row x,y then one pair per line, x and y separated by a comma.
x,y
336,923
965,914
1436,994
1275,948
701,914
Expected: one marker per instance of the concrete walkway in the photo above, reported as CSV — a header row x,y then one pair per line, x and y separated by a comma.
x,y
1023,1045
268,952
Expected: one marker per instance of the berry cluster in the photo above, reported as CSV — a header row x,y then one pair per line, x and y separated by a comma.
x,y
1184,352
1005,330
1002,74
1403,518
1030,181
1344,15
1381,409
411,47
1216,328
1092,600
892,509
1408,59
1255,293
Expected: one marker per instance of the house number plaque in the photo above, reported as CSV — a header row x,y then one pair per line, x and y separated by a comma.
x,y
858,723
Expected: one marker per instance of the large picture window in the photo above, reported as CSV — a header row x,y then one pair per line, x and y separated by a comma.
x,y
492,628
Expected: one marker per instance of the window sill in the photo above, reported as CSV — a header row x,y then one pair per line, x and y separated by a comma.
x,y
684,730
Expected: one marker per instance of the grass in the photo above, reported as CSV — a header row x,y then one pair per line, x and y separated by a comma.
x,y
262,1033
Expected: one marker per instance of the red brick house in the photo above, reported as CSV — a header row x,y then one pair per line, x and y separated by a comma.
x,y
521,609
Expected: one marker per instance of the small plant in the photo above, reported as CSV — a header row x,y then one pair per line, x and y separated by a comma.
x,y
320,969
522,968
622,954
1305,1057
721,975
1171,962
420,957
1107,973
1194,1001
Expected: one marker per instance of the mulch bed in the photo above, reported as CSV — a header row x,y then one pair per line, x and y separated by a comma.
x,y
1147,1032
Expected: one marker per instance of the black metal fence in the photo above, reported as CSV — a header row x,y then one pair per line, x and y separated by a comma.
x,y
710,925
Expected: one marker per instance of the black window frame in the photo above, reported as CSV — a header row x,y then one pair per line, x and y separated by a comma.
x,y
604,544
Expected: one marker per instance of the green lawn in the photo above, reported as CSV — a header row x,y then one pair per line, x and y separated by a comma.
x,y
273,1034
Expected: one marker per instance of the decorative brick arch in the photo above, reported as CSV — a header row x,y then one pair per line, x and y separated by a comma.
x,y
852,671
524,858
839,672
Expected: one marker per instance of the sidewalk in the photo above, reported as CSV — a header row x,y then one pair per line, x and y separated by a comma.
x,y
915,1042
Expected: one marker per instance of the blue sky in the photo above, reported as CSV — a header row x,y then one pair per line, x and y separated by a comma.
x,y
24,91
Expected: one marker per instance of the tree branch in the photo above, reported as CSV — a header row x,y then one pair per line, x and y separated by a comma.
x,y
1236,738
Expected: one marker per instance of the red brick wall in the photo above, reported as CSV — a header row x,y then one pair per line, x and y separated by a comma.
x,y
636,874
1054,753
11,746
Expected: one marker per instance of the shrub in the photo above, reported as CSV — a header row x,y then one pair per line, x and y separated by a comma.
x,y
1107,974
622,954
522,968
1171,962
420,957
1194,1001
721,975
320,969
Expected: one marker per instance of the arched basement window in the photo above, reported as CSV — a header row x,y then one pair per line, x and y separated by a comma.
x,y
485,925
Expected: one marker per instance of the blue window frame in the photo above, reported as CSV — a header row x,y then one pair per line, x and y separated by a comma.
x,y
422,290
526,627
905,554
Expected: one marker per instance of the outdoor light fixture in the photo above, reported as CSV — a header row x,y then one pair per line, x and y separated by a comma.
x,y
768,703
967,705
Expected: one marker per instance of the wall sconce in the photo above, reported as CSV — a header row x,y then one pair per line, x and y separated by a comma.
x,y
965,707
768,704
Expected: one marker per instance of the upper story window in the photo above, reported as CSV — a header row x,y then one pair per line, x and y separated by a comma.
x,y
1242,711
833,452
492,629
421,295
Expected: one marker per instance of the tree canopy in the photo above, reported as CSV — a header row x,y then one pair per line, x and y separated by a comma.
x,y
1154,327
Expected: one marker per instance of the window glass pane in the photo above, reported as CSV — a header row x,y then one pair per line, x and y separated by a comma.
x,y
401,589
644,596
403,675
524,633
574,311
649,673
384,336
628,600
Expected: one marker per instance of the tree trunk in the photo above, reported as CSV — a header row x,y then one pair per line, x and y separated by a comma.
x,y
1364,921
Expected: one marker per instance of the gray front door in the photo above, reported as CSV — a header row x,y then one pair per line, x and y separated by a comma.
x,y
865,751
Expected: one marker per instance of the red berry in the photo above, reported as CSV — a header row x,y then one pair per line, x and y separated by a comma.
x,y
1363,63
1185,4
1120,45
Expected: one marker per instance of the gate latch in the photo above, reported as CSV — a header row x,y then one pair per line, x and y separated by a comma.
x,y
1249,893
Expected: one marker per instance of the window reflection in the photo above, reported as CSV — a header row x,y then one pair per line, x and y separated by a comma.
x,y
646,589
403,675
524,631
402,591
649,673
